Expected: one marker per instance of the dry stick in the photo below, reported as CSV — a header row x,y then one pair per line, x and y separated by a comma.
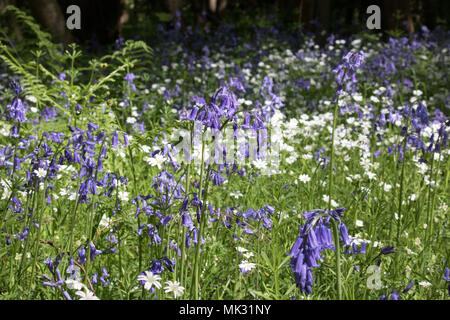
x,y
97,234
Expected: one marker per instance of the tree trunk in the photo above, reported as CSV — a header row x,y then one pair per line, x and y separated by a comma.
x,y
389,10
10,21
307,10
404,7
48,13
197,8
173,5
124,17
324,13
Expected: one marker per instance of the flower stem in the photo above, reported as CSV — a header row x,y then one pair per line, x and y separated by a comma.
x,y
335,227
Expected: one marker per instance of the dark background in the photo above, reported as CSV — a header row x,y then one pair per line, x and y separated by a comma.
x,y
103,21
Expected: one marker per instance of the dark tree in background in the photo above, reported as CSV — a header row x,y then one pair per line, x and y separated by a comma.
x,y
49,14
103,21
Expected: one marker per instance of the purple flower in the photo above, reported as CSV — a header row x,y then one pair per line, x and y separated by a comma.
x,y
344,234
16,110
23,235
95,278
129,77
66,295
387,250
446,274
82,256
346,70
395,295
94,252
315,236
408,287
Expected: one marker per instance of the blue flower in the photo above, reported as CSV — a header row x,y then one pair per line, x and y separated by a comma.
x,y
446,274
16,110
315,236
129,77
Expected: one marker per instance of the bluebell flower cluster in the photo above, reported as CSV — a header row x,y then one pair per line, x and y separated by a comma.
x,y
314,238
16,111
347,69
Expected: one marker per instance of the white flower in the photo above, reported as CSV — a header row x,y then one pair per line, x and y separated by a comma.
x,y
157,160
370,174
377,244
425,284
86,295
236,194
291,159
359,223
241,250
74,284
396,216
248,255
73,196
123,196
333,203
246,266
259,164
174,287
131,120
31,99
40,173
374,99
105,221
387,187
145,148
409,251
150,279
304,178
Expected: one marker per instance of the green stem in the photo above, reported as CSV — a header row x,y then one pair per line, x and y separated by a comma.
x,y
195,286
73,222
430,202
400,196
335,229
183,235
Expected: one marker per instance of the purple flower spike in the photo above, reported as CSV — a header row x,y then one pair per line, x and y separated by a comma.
x,y
408,287
446,274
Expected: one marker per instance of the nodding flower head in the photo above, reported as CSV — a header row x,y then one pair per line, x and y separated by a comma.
x,y
16,87
346,70
354,60
129,77
315,236
16,110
